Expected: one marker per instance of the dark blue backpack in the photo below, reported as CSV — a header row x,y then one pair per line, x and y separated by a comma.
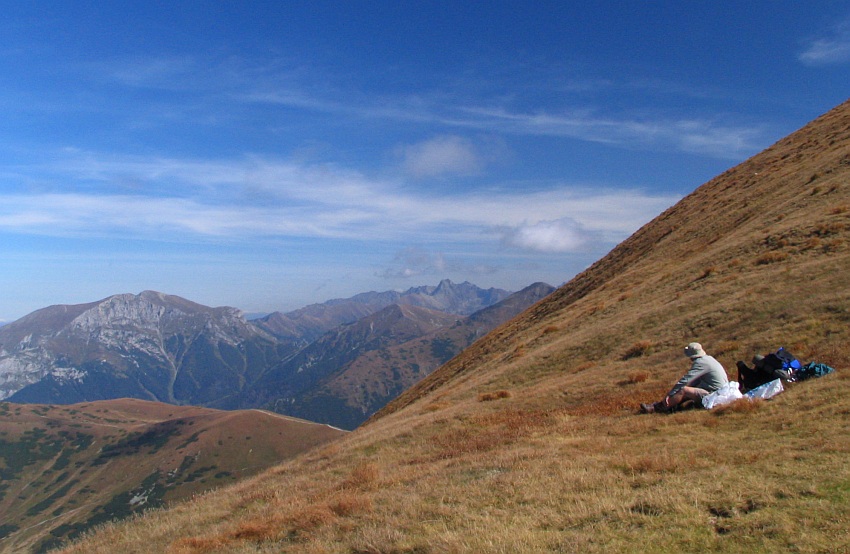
x,y
789,362
782,364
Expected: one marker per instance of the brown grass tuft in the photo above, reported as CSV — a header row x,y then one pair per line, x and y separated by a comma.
x,y
198,545
657,463
826,229
497,395
771,257
638,349
740,406
833,245
638,376
304,522
491,431
811,243
257,530
364,476
349,503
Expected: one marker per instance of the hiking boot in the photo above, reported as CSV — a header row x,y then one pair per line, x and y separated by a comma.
x,y
654,408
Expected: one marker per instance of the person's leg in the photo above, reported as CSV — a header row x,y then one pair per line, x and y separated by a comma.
x,y
685,393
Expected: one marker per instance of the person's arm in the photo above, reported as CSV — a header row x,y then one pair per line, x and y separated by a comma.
x,y
697,370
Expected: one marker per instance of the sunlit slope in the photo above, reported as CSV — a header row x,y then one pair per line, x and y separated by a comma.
x,y
754,259
67,468
529,440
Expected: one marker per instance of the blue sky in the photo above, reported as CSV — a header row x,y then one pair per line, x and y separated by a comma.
x,y
267,155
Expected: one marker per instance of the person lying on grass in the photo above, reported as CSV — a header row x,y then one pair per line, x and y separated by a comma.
x,y
705,376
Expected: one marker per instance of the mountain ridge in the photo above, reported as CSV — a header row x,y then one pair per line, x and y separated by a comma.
x,y
310,322
163,347
355,387
146,346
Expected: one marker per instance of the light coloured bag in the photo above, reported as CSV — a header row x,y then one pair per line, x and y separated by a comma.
x,y
765,391
724,395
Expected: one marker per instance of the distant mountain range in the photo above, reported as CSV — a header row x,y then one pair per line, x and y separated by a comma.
x,y
309,323
351,372
338,362
150,346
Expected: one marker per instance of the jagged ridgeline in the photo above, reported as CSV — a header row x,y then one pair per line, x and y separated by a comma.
x,y
71,459
335,363
150,346
529,440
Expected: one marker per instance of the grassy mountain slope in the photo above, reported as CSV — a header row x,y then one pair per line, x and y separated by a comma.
x,y
394,348
67,468
530,441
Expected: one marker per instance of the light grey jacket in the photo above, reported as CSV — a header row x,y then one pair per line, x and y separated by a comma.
x,y
705,373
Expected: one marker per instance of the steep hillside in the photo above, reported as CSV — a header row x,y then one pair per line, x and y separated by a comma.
x,y
751,260
395,348
281,387
530,440
67,468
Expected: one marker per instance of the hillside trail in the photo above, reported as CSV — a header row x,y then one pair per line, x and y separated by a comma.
x,y
296,420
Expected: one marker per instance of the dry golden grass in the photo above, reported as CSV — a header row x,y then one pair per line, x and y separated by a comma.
x,y
638,349
566,464
636,377
497,395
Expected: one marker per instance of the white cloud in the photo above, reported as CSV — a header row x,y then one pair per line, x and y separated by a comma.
x,y
451,154
699,136
441,156
562,235
832,49
253,198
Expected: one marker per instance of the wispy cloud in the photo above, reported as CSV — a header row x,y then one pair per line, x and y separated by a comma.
x,y
709,135
706,136
444,155
253,198
228,85
415,262
699,136
832,48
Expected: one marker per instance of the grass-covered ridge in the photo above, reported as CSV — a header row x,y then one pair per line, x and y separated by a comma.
x,y
66,468
530,440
